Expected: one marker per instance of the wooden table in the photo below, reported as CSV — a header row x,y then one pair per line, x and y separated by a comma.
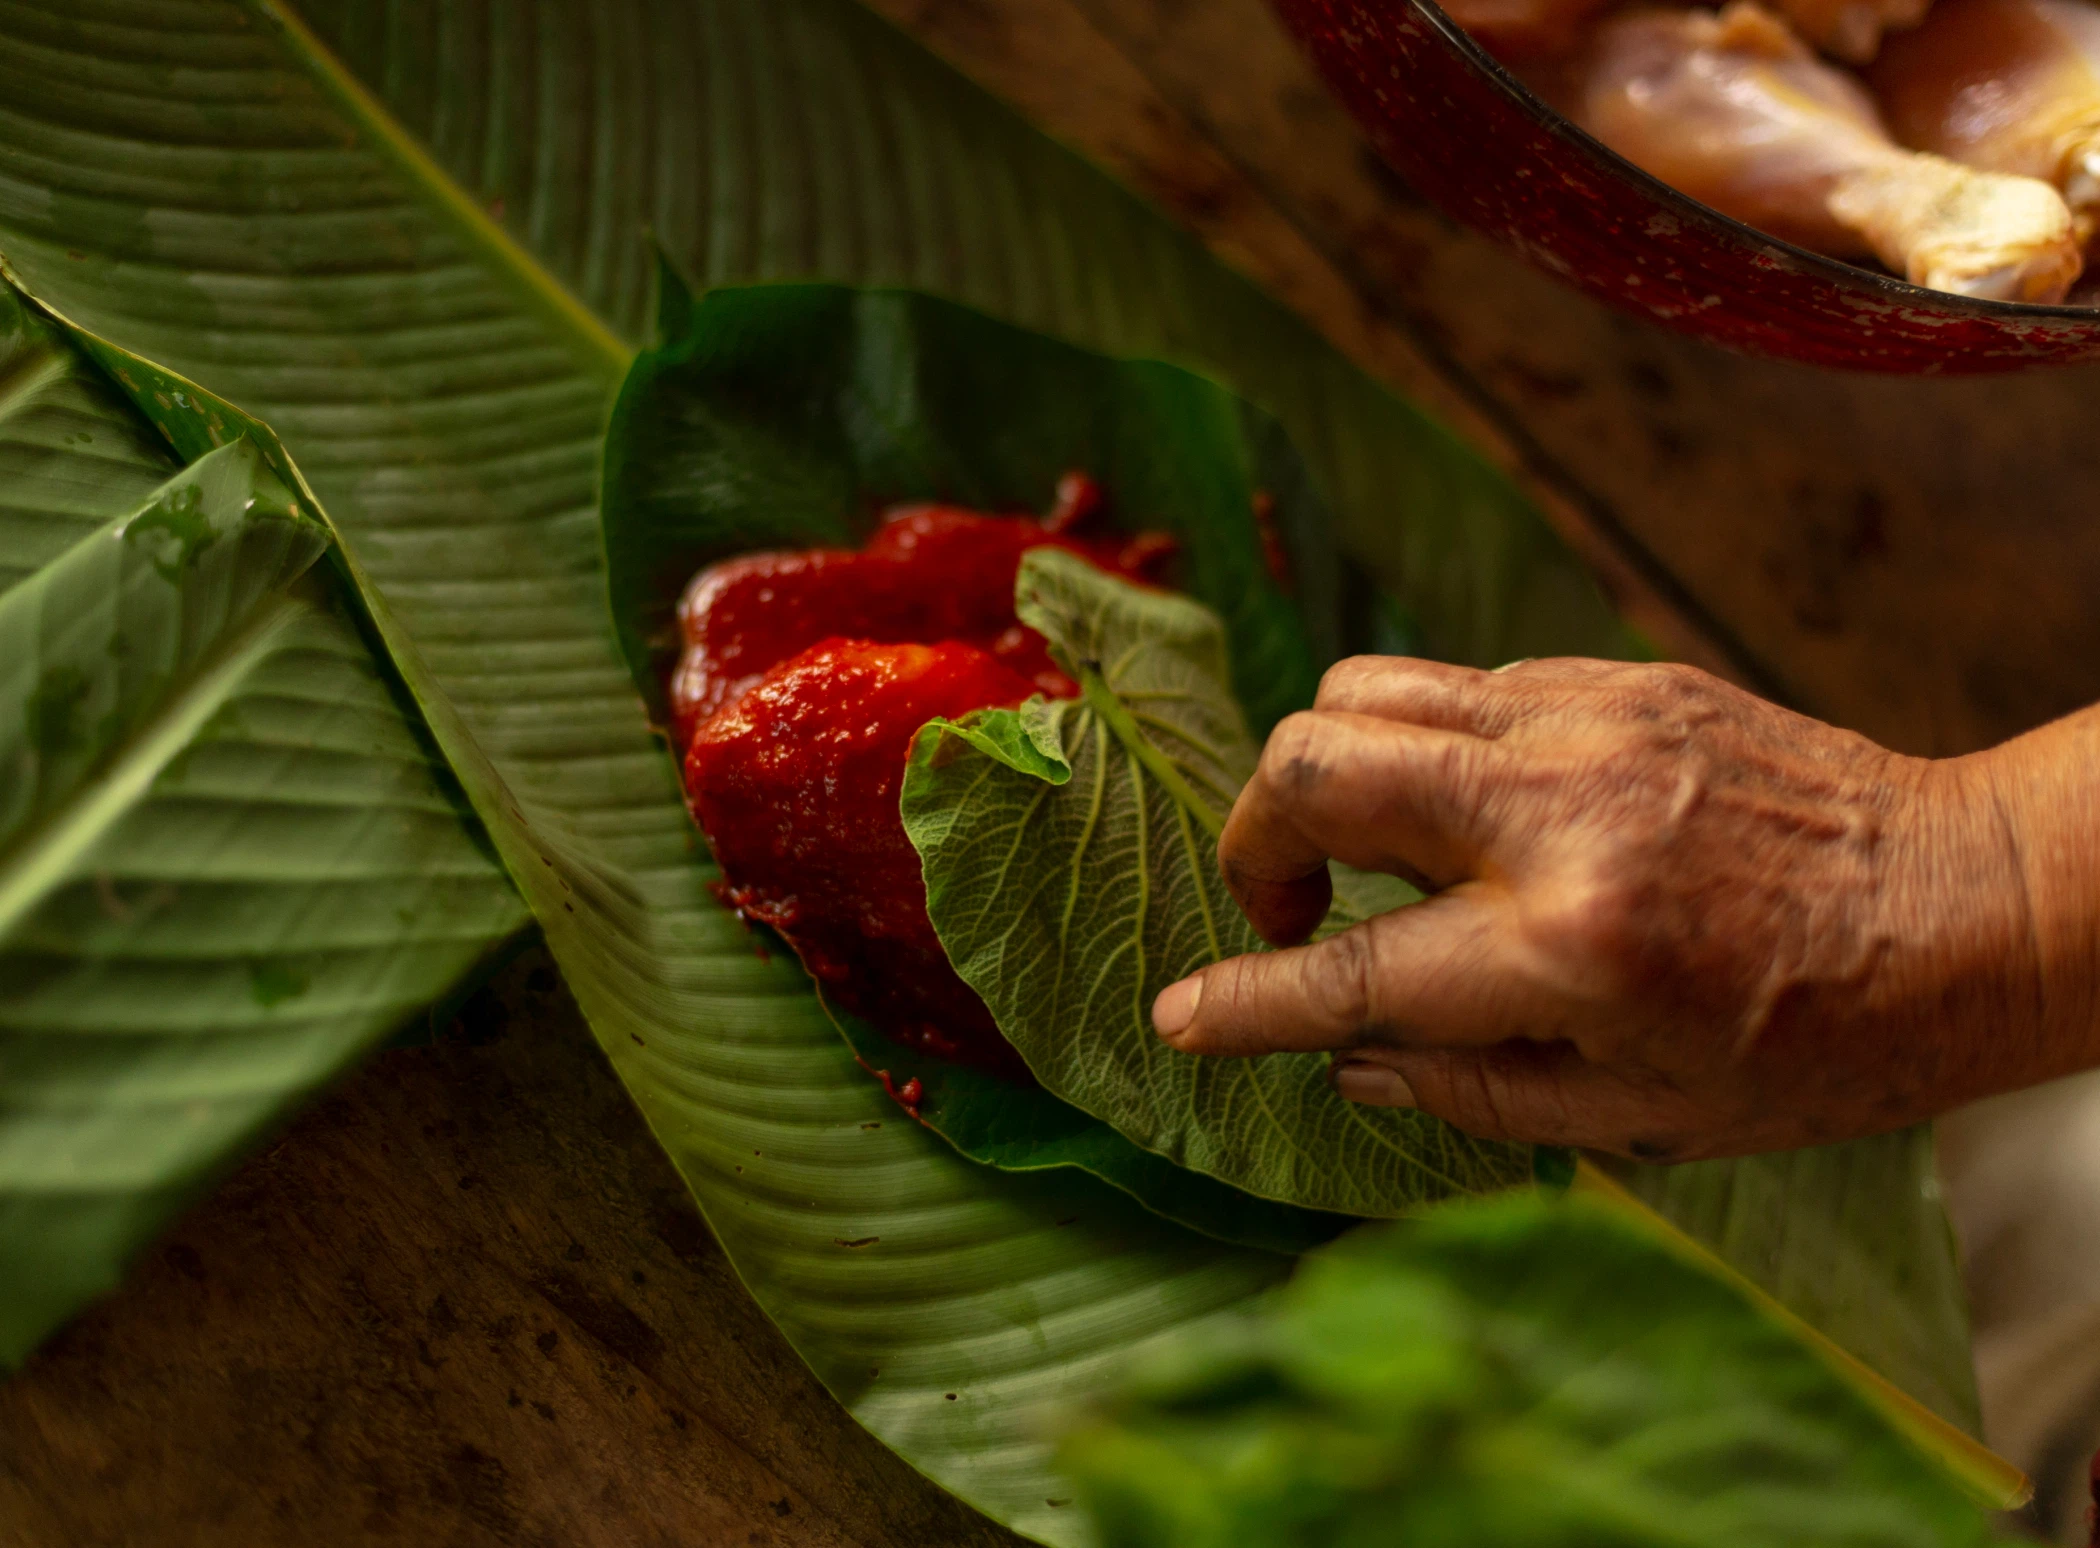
x,y
464,1301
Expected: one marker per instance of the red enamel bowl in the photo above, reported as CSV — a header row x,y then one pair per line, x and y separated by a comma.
x,y
1477,143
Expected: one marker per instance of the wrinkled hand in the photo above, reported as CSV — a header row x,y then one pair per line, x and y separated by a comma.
x,y
1668,919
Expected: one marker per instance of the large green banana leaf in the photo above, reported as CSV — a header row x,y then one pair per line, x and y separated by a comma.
x,y
412,239
72,453
229,861
1851,1237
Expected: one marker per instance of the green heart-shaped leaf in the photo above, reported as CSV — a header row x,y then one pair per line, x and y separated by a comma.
x,y
1070,852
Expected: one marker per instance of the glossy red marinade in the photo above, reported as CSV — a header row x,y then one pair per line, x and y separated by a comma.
x,y
804,679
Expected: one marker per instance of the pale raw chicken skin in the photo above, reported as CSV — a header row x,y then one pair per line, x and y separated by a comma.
x,y
1531,32
2007,85
1852,30
1525,31
1736,111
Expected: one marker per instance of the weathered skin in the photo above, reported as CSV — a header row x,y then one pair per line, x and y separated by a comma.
x,y
2007,85
1671,920
1735,110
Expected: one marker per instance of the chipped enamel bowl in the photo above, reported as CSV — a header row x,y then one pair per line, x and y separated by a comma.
x,y
1477,143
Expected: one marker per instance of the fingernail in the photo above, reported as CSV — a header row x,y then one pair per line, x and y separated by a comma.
x,y
1176,1006
1374,1085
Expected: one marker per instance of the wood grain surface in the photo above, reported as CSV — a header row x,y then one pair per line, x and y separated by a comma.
x,y
465,1301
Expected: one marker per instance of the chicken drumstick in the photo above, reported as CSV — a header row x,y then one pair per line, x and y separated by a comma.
x,y
1736,111
1530,31
2008,85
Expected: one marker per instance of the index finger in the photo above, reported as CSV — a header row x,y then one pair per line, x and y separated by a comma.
x,y
1457,698
1426,693
1380,795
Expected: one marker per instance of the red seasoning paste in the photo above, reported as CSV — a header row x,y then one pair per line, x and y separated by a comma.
x,y
804,679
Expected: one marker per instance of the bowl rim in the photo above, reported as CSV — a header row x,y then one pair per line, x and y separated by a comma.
x,y
1885,288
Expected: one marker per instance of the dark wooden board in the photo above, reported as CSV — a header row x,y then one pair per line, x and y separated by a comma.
x,y
463,1301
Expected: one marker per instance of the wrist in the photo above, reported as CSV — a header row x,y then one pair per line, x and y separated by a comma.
x,y
2033,805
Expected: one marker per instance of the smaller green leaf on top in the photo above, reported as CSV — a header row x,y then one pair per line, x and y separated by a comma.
x,y
1069,850
1508,1372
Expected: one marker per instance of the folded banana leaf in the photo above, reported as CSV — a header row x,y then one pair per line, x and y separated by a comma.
x,y
790,416
230,859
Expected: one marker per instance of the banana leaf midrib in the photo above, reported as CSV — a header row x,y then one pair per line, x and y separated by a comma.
x,y
1102,700
597,348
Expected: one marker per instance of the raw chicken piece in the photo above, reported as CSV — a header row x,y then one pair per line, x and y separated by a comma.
x,y
1734,110
1530,32
795,783
2009,85
1525,31
1852,30
804,678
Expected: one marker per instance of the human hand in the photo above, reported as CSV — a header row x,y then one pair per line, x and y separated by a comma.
x,y
1668,919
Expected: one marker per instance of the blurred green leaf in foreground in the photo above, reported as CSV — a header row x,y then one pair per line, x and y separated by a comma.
x,y
1512,1372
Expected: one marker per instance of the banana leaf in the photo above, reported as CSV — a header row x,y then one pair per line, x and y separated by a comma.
x,y
411,239
230,861
948,1304
1508,1372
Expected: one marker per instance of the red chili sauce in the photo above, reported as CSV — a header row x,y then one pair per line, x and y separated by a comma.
x,y
804,679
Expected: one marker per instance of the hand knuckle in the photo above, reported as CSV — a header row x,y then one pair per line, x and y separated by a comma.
x,y
1228,987
1672,685
1345,677
1297,753
1599,920
1464,1093
1487,1097
1342,978
1468,779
